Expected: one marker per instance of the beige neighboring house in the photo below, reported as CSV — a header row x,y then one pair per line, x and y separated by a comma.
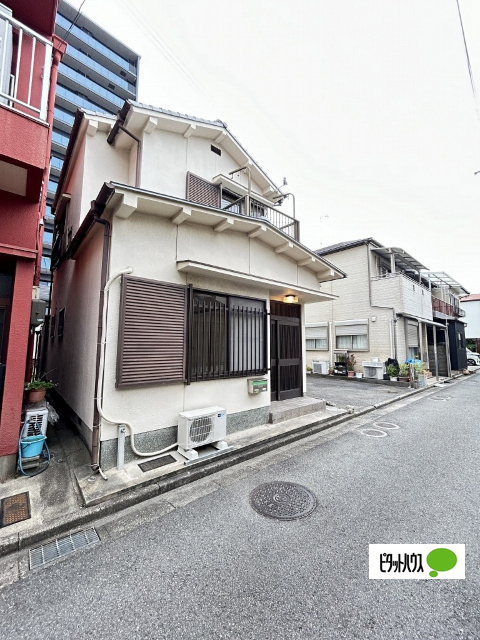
x,y
177,280
390,306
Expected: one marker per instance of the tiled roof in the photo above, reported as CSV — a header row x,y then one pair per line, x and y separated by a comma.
x,y
341,246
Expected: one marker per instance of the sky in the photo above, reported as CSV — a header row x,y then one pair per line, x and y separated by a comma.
x,y
365,106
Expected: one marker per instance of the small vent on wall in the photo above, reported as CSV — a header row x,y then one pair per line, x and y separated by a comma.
x,y
216,150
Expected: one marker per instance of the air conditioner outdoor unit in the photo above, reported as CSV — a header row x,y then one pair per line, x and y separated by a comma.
x,y
200,427
373,369
35,424
320,366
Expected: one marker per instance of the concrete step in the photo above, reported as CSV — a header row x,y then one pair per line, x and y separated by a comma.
x,y
294,408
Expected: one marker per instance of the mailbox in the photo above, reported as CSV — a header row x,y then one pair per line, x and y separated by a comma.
x,y
257,385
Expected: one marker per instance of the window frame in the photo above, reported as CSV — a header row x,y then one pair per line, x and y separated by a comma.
x,y
229,371
352,335
314,326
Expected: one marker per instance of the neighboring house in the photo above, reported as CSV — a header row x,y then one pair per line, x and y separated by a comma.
x,y
176,279
97,72
29,57
471,307
390,306
446,309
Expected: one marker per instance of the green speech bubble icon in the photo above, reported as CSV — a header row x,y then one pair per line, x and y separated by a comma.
x,y
441,560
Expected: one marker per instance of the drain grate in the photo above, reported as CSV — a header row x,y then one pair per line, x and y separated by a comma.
x,y
62,547
14,509
158,462
283,500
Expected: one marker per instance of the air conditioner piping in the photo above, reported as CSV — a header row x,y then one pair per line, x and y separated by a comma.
x,y
101,412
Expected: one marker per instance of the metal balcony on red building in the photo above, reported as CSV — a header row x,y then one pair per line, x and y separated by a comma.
x,y
29,56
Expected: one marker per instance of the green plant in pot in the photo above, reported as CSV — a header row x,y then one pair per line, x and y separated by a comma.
x,y
392,371
404,371
36,389
350,362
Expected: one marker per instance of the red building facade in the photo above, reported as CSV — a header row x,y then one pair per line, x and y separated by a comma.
x,y
29,57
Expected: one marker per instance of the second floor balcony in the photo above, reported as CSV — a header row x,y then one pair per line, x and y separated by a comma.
x,y
405,295
443,310
226,195
25,62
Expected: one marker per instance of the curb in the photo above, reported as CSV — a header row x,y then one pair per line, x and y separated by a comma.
x,y
132,496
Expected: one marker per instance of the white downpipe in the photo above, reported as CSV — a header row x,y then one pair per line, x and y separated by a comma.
x,y
101,371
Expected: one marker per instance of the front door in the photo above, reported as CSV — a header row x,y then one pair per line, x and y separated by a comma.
x,y
285,351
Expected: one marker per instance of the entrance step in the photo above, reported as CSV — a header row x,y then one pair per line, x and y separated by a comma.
x,y
294,408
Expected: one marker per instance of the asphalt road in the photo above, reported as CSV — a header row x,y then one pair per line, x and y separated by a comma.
x,y
214,568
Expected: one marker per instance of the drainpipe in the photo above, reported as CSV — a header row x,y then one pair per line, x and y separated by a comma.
x,y
95,453
378,306
435,351
59,48
447,348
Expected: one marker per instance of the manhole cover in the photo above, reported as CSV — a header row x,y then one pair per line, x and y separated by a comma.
x,y
283,500
14,509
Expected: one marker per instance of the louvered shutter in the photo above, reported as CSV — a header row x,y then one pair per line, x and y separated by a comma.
x,y
351,330
316,332
202,191
412,334
152,332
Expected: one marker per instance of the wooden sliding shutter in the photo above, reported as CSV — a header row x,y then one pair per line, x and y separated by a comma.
x,y
202,191
152,340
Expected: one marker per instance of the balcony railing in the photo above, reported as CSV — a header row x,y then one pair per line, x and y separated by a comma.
x,y
440,306
25,62
261,211
405,295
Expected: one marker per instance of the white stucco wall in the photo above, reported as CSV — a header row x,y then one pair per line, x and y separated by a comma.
x,y
167,156
472,318
71,359
149,244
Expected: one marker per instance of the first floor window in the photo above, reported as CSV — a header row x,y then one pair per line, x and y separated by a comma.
x,y
352,337
172,333
413,348
316,337
227,336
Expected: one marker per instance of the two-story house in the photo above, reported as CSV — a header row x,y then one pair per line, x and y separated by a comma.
x,y
177,278
384,309
29,58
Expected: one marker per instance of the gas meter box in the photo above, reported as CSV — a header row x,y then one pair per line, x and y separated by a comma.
x,y
257,385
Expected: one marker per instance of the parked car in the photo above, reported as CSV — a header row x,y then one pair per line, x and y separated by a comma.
x,y
473,358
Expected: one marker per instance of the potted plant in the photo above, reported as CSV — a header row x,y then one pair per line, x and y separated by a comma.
x,y
36,389
392,371
404,372
350,362
421,374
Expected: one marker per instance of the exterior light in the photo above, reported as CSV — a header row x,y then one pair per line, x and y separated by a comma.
x,y
374,318
290,299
